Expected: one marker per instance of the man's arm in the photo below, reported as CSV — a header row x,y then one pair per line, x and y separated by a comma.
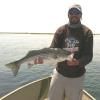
x,y
87,54
56,39
54,43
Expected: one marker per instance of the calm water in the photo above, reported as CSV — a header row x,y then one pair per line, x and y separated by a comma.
x,y
15,46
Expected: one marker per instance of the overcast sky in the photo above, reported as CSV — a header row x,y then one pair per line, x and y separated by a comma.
x,y
45,15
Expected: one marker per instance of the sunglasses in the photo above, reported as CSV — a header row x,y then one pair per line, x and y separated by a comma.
x,y
74,11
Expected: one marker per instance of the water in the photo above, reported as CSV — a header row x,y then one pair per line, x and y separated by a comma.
x,y
15,46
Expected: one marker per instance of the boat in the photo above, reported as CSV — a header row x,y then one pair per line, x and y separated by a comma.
x,y
36,90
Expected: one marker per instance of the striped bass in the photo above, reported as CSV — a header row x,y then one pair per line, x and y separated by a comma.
x,y
46,56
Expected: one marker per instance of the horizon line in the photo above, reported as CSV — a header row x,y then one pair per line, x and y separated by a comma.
x,y
34,33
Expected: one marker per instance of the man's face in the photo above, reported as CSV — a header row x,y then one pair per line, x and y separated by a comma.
x,y
74,15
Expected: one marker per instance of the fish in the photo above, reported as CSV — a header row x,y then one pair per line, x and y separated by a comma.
x,y
50,56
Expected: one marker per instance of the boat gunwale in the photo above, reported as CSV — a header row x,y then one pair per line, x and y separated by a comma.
x,y
86,93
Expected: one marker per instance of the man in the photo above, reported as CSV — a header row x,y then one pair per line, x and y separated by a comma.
x,y
76,38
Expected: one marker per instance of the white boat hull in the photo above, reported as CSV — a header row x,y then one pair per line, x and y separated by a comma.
x,y
36,90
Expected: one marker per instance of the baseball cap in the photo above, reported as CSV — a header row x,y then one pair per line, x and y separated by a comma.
x,y
75,9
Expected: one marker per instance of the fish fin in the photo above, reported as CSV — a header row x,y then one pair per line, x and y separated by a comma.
x,y
14,67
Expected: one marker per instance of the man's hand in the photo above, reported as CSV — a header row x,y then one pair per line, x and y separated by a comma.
x,y
38,60
73,62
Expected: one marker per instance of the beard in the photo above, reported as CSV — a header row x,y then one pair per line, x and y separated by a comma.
x,y
74,20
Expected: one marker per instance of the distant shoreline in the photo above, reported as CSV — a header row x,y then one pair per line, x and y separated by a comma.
x,y
33,33
96,34
22,33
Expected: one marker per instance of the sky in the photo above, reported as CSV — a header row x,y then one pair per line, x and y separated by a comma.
x,y
45,16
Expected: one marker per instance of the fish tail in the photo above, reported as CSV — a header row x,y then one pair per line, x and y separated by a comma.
x,y
14,67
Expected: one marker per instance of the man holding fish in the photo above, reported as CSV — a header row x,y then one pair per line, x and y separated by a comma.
x,y
76,38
